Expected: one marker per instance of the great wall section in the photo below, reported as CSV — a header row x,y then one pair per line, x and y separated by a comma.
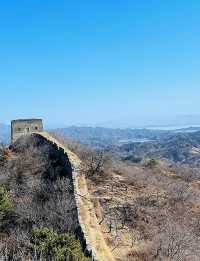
x,y
89,232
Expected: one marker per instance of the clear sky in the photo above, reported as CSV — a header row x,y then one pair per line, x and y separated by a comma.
x,y
93,62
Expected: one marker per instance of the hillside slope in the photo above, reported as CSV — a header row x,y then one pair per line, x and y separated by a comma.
x,y
38,214
149,213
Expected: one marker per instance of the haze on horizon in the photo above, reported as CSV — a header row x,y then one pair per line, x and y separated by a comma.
x,y
109,63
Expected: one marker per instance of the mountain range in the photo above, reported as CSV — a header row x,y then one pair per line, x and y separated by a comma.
x,y
180,146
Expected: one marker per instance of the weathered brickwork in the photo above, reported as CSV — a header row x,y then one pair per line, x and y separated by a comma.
x,y
25,127
86,243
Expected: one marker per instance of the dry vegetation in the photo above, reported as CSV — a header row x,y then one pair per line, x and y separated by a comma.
x,y
146,211
149,212
37,209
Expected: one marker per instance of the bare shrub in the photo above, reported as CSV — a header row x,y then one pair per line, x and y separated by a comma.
x,y
16,247
174,243
179,195
94,163
4,155
142,254
186,173
54,206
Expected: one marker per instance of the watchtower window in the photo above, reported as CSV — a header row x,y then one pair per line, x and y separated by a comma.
x,y
27,129
36,128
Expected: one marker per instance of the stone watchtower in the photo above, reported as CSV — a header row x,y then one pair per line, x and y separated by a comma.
x,y
25,127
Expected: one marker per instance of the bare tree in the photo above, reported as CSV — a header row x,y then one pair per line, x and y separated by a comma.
x,y
94,163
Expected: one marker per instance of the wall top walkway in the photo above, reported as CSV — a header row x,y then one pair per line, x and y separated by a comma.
x,y
95,241
74,160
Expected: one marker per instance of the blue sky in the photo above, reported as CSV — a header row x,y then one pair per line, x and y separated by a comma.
x,y
98,62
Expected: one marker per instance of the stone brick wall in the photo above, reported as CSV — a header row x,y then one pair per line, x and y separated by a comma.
x,y
81,233
81,230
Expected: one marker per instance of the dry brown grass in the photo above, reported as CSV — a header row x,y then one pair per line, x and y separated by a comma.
x,y
161,197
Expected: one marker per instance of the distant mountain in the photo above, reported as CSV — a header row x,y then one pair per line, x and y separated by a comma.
x,y
189,129
4,133
181,148
103,137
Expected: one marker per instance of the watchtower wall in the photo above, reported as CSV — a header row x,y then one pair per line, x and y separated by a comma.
x,y
25,127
